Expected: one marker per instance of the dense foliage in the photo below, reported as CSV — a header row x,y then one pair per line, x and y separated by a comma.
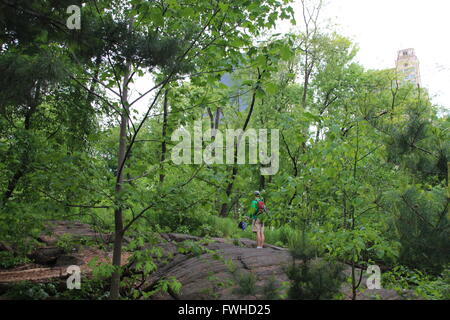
x,y
363,161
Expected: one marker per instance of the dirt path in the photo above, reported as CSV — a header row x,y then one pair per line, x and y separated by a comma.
x,y
39,273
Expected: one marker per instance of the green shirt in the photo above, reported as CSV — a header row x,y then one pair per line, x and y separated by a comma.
x,y
253,212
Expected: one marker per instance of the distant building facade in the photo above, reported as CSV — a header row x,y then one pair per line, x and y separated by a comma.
x,y
408,67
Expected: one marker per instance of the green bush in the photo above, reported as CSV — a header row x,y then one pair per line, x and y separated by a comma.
x,y
246,284
66,243
426,286
271,290
26,290
176,221
10,260
227,226
314,278
423,226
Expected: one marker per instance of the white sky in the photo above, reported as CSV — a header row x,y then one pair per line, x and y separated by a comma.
x,y
381,28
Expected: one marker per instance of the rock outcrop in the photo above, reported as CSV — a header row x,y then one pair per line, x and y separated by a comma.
x,y
216,268
217,273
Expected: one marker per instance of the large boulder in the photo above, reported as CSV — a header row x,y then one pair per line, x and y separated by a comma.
x,y
220,271
46,255
216,273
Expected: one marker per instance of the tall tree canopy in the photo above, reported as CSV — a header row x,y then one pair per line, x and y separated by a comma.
x,y
363,160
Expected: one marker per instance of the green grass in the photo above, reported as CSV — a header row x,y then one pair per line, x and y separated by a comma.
x,y
214,226
228,228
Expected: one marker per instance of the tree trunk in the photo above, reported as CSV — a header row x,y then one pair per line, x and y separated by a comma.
x,y
353,282
224,208
163,143
90,95
24,162
118,213
262,182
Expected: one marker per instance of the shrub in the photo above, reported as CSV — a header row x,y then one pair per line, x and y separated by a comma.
x,y
427,286
26,290
271,289
66,243
423,226
246,284
314,278
10,260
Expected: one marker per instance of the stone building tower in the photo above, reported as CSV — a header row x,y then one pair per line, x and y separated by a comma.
x,y
408,67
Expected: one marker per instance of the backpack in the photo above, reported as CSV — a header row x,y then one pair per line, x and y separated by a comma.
x,y
261,207
242,225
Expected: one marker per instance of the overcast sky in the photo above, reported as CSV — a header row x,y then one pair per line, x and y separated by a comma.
x,y
383,27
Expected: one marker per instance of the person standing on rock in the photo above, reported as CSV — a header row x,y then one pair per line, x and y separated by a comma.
x,y
257,208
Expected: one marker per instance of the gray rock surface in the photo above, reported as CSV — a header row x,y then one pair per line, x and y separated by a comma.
x,y
214,268
217,274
